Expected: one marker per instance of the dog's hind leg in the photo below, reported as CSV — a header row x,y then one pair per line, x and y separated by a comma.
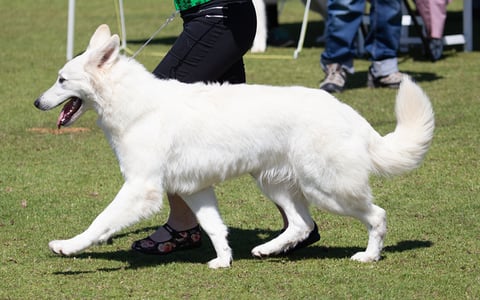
x,y
354,200
136,199
204,206
295,207
376,222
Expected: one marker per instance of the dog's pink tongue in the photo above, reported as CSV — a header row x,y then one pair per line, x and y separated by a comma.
x,y
69,109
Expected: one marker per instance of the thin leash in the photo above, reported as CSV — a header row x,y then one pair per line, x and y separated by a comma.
x,y
168,21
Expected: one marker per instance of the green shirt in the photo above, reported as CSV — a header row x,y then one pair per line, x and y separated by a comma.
x,y
186,4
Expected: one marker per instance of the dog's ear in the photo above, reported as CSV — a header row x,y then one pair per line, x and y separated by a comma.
x,y
106,55
99,37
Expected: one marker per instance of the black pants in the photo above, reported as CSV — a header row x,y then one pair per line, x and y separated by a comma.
x,y
214,39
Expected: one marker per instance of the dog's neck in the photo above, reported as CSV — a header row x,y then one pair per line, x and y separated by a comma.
x,y
130,92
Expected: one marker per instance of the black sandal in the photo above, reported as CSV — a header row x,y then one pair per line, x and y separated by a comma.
x,y
181,240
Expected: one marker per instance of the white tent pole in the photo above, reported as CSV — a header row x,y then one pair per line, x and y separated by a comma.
x,y
467,24
70,28
122,21
303,30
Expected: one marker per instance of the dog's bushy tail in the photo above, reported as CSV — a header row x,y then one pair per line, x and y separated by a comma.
x,y
404,149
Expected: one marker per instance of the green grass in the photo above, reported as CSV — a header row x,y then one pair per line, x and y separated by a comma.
x,y
52,186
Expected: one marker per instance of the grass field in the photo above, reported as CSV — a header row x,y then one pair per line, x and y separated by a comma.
x,y
52,184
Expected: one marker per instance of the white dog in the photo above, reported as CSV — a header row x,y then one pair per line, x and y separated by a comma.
x,y
302,145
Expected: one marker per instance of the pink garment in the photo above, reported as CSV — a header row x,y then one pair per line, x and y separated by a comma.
x,y
434,14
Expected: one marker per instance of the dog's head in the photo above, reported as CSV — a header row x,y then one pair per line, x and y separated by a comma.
x,y
75,84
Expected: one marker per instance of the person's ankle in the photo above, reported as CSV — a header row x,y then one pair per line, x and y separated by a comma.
x,y
160,235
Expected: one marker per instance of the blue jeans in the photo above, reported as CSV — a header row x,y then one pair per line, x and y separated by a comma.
x,y
381,42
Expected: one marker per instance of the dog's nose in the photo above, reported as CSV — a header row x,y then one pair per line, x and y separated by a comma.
x,y
37,103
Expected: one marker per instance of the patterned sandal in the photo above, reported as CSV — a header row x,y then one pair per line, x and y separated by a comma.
x,y
181,240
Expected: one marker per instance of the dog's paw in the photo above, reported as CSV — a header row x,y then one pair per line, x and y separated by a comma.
x,y
263,251
258,253
365,257
65,247
217,263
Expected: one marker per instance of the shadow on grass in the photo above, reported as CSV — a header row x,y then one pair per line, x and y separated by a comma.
x,y
358,80
241,241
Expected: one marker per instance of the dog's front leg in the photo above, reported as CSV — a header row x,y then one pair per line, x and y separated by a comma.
x,y
205,207
135,200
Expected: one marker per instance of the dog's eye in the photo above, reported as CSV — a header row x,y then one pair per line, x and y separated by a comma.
x,y
61,80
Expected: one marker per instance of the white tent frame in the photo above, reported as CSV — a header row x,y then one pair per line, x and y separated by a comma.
x,y
71,27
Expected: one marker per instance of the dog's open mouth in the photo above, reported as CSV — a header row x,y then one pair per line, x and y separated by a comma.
x,y
68,112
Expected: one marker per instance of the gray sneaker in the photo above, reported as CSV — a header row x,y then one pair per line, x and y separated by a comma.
x,y
335,78
391,80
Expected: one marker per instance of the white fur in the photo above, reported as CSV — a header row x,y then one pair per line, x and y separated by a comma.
x,y
302,145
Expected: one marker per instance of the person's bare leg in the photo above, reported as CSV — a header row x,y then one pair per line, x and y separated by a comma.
x,y
180,218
